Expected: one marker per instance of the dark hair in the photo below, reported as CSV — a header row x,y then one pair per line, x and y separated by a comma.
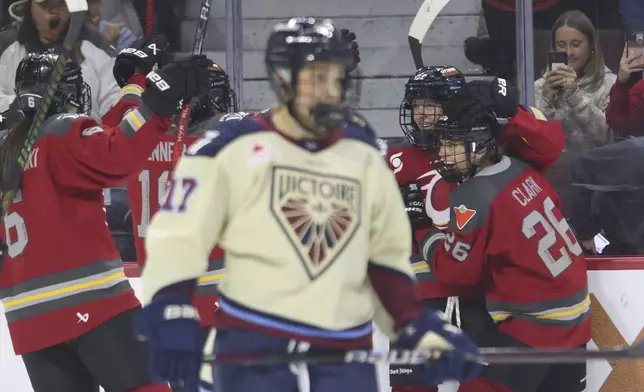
x,y
11,146
29,38
577,20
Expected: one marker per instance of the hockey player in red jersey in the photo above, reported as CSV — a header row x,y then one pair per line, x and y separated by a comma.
x,y
507,237
145,192
67,301
526,134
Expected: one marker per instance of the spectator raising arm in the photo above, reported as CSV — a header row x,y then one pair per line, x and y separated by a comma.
x,y
625,111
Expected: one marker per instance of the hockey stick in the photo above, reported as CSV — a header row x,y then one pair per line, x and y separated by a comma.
x,y
149,18
185,111
78,11
423,20
487,356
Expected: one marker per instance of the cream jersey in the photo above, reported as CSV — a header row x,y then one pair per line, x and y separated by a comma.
x,y
310,230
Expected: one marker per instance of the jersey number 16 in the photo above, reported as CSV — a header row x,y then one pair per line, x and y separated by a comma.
x,y
146,192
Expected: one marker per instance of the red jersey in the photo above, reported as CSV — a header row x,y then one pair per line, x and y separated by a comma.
x,y
145,193
62,275
411,164
507,235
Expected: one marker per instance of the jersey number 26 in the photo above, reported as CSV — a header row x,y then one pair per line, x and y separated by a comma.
x,y
553,228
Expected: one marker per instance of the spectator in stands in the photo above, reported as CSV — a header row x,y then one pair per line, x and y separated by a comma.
x,y
578,93
625,111
117,33
497,52
43,29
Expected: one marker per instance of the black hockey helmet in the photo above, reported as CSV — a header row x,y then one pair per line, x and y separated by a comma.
x,y
299,41
32,78
425,93
221,98
465,147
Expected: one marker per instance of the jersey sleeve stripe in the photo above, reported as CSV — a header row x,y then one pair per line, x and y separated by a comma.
x,y
135,119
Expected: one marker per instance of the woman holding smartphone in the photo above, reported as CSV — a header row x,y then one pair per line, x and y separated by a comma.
x,y
576,93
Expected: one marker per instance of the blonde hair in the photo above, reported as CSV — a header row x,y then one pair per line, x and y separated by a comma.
x,y
577,20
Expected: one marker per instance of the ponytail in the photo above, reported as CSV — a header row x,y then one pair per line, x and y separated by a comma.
x,y
11,145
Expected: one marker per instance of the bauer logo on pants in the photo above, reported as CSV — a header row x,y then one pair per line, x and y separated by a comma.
x,y
319,214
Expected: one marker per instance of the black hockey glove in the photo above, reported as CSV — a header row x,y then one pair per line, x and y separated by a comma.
x,y
415,204
140,57
179,80
479,98
350,37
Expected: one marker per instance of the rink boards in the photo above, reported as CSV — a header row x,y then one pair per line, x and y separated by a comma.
x,y
618,317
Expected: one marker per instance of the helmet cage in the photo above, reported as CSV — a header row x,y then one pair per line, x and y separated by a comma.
x,y
437,84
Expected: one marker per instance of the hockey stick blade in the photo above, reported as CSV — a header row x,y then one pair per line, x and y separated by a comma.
x,y
78,12
423,20
197,48
487,356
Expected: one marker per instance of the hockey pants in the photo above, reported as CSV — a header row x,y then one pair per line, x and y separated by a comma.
x,y
295,377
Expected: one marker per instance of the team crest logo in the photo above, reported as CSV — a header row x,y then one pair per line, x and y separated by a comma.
x,y
319,213
639,38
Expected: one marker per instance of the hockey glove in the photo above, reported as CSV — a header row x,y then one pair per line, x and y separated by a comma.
x,y
140,57
350,37
171,327
179,80
480,98
415,204
430,331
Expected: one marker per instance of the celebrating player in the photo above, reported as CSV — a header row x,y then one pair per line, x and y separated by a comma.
x,y
68,303
527,134
507,236
146,190
312,224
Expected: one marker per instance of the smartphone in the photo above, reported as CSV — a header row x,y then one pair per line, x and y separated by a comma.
x,y
635,45
600,243
557,60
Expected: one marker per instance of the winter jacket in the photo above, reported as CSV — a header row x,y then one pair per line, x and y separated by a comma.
x,y
582,112
96,67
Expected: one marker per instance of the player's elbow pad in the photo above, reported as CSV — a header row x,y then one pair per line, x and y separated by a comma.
x,y
429,242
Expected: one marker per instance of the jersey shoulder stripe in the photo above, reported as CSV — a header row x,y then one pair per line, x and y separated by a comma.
x,y
225,133
355,132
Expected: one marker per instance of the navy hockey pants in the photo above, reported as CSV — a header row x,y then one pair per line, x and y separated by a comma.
x,y
287,377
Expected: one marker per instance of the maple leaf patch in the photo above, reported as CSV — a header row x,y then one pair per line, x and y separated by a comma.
x,y
463,216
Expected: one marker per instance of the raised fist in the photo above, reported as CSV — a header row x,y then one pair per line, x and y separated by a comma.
x,y
141,57
178,80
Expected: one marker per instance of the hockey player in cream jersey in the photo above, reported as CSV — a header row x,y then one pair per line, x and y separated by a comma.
x,y
315,232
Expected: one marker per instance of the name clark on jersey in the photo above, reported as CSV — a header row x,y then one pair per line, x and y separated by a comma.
x,y
163,152
528,190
